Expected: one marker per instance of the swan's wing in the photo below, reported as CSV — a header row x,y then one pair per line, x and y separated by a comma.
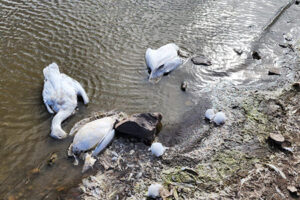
x,y
104,143
78,88
48,91
79,125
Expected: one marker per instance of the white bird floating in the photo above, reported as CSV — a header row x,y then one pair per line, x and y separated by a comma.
x,y
154,190
93,134
163,60
157,149
220,118
60,96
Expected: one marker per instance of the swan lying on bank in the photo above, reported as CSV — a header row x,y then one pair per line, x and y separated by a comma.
x,y
60,97
93,134
163,60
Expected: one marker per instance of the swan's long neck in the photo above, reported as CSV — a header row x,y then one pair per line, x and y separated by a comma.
x,y
56,130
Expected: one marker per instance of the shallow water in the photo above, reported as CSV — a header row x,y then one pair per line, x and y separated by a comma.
x,y
102,44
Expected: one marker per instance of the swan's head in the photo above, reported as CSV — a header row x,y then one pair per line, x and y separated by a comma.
x,y
58,133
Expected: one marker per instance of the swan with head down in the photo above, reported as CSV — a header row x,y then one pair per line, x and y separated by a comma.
x,y
60,96
162,60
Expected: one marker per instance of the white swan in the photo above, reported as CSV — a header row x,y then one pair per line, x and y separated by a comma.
x,y
94,134
60,96
163,60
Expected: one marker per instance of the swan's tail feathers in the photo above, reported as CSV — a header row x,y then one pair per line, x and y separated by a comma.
x,y
104,143
51,70
81,92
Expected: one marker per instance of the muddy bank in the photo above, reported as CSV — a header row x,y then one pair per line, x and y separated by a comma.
x,y
233,161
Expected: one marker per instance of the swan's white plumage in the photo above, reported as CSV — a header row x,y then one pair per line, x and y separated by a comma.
x,y
60,96
92,134
162,60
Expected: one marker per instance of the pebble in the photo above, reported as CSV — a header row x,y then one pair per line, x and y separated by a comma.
x,y
183,86
274,71
201,60
277,138
255,55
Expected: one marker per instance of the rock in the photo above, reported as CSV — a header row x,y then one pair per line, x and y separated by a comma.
x,y
297,2
201,60
255,55
274,71
292,189
183,54
52,159
143,126
35,171
183,86
288,37
277,138
296,85
238,51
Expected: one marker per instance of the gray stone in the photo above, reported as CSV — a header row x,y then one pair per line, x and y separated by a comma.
x,y
143,126
201,60
274,71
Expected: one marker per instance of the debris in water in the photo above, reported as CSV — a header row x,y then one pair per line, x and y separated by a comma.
x,y
255,55
52,159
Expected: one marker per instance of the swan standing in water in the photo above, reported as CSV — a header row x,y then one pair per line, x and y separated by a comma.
x,y
60,97
163,60
93,134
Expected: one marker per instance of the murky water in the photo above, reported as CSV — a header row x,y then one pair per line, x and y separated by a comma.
x,y
102,44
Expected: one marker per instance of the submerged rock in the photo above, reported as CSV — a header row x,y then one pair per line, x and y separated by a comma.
x,y
201,60
143,126
183,86
255,55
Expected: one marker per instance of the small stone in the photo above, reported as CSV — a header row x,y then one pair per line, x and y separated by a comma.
x,y
277,138
238,51
288,37
283,45
35,171
296,85
183,86
274,71
131,152
201,60
52,159
292,189
183,54
60,188
255,55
